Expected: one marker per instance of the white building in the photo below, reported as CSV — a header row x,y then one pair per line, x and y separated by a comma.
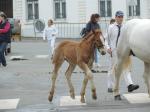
x,y
74,11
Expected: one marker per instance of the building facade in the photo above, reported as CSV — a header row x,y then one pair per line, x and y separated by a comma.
x,y
74,11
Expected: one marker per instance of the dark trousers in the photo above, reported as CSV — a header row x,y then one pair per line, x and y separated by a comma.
x,y
3,46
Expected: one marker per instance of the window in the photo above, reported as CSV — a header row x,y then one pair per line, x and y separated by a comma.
x,y
134,9
105,8
60,9
32,9
138,8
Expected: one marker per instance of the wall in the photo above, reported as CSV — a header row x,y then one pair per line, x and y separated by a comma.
x,y
145,9
119,5
78,11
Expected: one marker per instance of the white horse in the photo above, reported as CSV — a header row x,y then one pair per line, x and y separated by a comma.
x,y
135,38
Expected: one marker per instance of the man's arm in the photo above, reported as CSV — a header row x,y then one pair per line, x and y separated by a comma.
x,y
107,40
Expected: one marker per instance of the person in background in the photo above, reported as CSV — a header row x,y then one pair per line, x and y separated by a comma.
x,y
49,34
112,21
92,25
4,37
111,40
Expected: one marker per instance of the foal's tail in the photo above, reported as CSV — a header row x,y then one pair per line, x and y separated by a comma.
x,y
58,55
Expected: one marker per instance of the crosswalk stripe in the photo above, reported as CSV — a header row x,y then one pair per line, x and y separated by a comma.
x,y
21,57
67,101
41,56
137,98
8,103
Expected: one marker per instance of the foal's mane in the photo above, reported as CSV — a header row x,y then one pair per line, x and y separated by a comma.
x,y
85,37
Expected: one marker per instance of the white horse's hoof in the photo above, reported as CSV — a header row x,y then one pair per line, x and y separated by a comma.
x,y
118,97
72,96
50,98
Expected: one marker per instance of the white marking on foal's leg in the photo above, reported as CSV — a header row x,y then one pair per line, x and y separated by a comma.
x,y
85,81
93,89
54,77
68,77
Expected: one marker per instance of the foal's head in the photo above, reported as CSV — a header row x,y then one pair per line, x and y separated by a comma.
x,y
99,41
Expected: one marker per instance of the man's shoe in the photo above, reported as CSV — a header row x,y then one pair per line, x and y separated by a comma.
x,y
110,90
132,87
4,64
93,71
97,65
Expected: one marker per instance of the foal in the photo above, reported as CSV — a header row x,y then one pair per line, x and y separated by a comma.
x,y
81,54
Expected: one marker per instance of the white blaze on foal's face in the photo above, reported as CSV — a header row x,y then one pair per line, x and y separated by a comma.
x,y
102,50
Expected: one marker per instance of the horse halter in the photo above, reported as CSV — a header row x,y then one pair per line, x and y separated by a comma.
x,y
98,41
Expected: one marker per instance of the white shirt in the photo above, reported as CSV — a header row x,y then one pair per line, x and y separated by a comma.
x,y
50,32
111,36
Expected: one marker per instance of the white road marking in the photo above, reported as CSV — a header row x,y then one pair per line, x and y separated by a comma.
x,y
67,101
42,56
9,103
137,97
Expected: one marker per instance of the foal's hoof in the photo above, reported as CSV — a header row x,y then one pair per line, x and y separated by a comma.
x,y
50,98
72,96
94,97
82,100
118,97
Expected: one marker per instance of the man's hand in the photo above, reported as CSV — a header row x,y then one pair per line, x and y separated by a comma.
x,y
109,51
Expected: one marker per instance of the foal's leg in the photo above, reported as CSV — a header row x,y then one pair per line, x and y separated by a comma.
x,y
90,64
89,76
85,81
147,76
68,77
54,77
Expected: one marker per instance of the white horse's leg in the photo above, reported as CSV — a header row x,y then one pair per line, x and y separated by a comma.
x,y
89,75
118,71
122,57
54,77
147,76
85,81
68,77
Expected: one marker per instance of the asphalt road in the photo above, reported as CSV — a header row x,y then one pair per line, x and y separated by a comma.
x,y
29,81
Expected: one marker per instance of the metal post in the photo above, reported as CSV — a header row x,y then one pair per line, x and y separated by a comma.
x,y
34,20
